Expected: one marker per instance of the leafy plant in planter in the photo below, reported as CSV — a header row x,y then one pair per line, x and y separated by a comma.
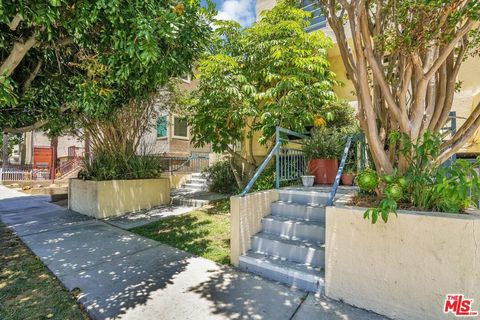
x,y
323,151
449,188
120,166
349,171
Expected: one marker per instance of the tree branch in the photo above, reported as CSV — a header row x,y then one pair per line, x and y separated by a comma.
x,y
17,54
15,22
443,55
32,76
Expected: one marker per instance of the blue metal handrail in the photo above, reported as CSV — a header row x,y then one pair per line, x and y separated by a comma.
x,y
333,192
360,138
275,151
188,160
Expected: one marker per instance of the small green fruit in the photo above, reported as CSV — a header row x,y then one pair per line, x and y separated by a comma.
x,y
388,178
394,192
368,180
402,182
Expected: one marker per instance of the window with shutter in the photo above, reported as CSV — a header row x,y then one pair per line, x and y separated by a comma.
x,y
162,127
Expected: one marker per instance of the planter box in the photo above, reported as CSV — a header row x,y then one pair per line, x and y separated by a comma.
x,y
103,199
405,268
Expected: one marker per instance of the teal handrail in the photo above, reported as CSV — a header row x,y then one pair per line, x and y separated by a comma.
x,y
275,151
350,139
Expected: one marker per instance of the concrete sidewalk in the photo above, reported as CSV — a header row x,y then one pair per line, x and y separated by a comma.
x,y
124,276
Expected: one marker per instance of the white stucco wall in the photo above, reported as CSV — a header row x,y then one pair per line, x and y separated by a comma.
x,y
246,215
405,268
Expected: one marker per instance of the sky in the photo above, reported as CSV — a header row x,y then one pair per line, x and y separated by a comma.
x,y
242,11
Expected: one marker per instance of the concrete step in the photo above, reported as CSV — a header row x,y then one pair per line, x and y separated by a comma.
x,y
198,180
301,276
299,251
299,211
199,175
294,229
312,198
194,203
195,186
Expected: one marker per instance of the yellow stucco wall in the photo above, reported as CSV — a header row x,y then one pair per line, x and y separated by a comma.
x,y
467,99
103,199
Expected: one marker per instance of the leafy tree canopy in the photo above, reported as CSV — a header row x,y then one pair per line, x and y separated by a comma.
x,y
403,58
253,79
60,58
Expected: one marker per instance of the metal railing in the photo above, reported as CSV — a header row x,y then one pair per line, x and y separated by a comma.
x,y
290,162
67,167
23,173
196,162
361,156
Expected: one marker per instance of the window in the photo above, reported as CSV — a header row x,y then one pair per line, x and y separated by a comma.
x,y
318,20
162,127
180,128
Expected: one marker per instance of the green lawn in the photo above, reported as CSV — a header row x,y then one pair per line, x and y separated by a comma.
x,y
27,289
205,232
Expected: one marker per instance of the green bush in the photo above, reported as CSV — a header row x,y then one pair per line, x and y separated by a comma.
x,y
221,178
425,184
118,166
326,143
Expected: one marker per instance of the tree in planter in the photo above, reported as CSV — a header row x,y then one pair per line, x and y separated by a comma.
x,y
62,58
273,73
403,60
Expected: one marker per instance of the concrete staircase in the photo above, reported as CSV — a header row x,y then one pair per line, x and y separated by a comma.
x,y
194,193
290,248
197,182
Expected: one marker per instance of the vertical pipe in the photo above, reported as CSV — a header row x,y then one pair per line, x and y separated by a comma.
x,y
453,115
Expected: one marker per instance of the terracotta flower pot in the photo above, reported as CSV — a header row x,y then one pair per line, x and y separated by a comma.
x,y
324,170
347,179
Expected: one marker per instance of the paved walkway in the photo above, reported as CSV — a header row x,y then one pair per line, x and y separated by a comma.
x,y
124,276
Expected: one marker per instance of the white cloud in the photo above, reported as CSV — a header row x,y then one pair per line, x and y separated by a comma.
x,y
242,11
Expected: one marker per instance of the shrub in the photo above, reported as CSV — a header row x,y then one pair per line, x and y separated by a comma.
x,y
221,178
425,184
118,166
326,143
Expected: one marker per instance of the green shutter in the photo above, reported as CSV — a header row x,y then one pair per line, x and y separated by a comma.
x,y
162,127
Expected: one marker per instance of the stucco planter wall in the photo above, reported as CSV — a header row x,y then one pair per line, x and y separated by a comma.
x,y
403,269
103,199
246,215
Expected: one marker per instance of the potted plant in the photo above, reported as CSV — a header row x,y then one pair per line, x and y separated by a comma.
x,y
348,176
349,173
323,151
308,179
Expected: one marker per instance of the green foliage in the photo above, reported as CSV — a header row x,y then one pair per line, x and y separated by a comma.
x,y
94,56
119,166
424,22
221,178
325,143
340,115
273,73
427,185
368,180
